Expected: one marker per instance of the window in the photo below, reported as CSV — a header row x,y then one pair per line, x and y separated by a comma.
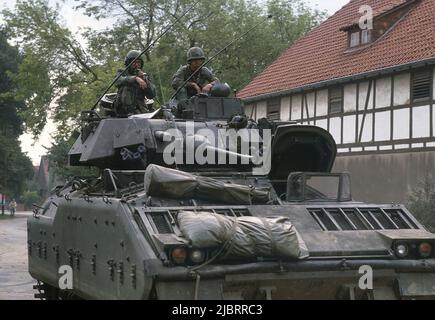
x,y
274,109
336,100
421,86
366,36
354,39
360,37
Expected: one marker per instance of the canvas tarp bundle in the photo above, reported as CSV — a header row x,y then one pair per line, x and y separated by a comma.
x,y
243,236
164,182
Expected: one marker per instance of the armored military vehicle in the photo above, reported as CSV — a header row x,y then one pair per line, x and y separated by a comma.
x,y
191,229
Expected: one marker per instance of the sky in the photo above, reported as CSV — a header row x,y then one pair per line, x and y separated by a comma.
x,y
75,20
331,6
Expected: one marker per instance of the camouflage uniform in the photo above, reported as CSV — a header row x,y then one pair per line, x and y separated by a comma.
x,y
131,98
201,78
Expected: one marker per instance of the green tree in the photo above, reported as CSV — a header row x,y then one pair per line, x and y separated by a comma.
x,y
15,166
60,78
211,25
29,198
58,157
54,65
9,61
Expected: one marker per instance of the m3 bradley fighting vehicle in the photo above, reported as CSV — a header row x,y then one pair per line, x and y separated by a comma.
x,y
196,201
149,229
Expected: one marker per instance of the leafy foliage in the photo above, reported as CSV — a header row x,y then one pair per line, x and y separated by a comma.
x,y
422,203
9,106
59,160
29,198
60,78
54,61
15,167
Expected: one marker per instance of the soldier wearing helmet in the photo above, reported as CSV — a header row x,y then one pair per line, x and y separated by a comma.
x,y
202,81
134,87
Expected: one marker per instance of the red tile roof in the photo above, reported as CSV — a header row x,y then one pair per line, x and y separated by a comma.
x,y
322,54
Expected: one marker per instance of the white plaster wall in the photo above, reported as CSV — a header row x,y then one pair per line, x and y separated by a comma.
x,y
350,97
311,97
363,87
433,120
322,123
285,108
402,88
421,122
401,124
296,107
383,92
383,126
433,82
349,127
367,130
261,110
335,129
322,103
291,106
248,110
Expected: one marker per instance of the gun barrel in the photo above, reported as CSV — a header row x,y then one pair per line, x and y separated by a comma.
x,y
200,140
230,153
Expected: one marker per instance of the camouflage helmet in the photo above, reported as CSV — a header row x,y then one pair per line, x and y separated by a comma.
x,y
133,54
195,53
220,90
238,121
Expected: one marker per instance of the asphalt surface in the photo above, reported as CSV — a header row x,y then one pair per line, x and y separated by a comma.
x,y
15,280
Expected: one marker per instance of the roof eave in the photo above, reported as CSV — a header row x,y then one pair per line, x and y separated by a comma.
x,y
355,77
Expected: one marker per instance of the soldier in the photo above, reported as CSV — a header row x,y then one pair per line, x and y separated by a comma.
x,y
134,87
203,81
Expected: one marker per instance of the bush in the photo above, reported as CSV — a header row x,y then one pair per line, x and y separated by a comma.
x,y
422,203
29,198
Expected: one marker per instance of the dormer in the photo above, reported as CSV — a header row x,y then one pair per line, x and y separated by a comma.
x,y
358,37
383,21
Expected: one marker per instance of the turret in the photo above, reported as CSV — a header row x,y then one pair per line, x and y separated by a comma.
x,y
205,134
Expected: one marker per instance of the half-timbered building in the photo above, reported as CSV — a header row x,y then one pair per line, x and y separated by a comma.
x,y
372,89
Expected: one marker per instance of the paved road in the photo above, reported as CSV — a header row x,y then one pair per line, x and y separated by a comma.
x,y
15,280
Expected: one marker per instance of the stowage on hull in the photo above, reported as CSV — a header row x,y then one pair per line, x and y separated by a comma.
x,y
122,250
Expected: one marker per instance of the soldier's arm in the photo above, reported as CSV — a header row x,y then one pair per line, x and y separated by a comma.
x,y
178,78
209,76
124,80
151,89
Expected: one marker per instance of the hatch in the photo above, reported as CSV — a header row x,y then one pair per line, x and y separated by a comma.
x,y
301,148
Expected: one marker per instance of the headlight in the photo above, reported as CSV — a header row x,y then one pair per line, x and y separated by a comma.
x,y
402,250
179,255
425,249
197,256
